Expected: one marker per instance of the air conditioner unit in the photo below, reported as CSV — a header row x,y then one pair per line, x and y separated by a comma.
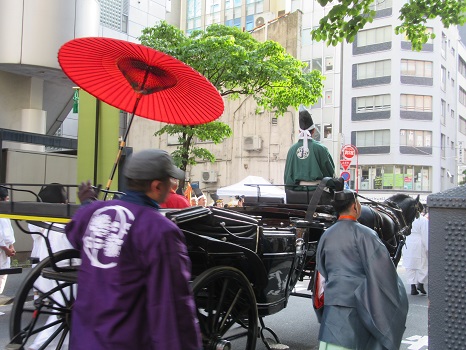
x,y
252,143
263,18
209,176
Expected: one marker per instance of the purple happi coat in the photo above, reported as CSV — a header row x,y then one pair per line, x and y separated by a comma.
x,y
133,285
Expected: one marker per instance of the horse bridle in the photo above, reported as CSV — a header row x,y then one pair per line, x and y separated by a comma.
x,y
392,206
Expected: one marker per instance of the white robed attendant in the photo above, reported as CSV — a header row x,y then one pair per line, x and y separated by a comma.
x,y
415,254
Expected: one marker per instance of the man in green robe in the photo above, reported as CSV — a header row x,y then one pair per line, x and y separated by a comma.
x,y
308,161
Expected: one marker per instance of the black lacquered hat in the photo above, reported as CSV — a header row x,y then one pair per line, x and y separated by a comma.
x,y
344,195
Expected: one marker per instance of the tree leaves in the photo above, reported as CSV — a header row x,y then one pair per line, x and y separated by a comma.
x,y
347,17
237,65
414,16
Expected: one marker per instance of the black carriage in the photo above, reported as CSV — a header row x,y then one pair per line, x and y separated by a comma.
x,y
245,265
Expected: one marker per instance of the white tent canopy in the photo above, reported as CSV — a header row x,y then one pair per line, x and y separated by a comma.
x,y
241,188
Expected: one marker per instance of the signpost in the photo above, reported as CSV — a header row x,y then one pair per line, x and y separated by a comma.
x,y
348,153
346,176
345,163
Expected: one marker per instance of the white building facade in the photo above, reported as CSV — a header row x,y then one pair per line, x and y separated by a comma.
x,y
400,108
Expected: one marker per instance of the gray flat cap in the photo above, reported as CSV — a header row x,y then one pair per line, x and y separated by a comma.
x,y
152,164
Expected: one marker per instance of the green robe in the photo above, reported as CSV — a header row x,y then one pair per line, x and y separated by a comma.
x,y
315,166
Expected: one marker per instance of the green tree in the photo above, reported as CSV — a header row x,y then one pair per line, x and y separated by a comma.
x,y
347,17
237,65
463,181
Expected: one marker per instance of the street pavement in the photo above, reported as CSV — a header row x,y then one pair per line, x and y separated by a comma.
x,y
296,325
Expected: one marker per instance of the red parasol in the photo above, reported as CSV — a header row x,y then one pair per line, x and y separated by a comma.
x,y
141,81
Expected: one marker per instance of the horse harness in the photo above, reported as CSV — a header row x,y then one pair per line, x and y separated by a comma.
x,y
390,210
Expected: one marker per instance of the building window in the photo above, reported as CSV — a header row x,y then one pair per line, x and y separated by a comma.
x,y
395,177
233,13
443,141
317,64
462,125
378,5
307,69
461,66
373,138
193,17
444,44
462,96
443,78
328,64
416,68
415,138
373,69
374,36
329,97
114,14
416,103
254,6
374,103
212,12
325,131
443,111
452,113
428,31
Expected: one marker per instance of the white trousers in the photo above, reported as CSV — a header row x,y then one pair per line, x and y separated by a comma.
x,y
416,276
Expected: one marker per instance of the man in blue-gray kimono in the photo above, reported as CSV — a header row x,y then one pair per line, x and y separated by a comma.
x,y
133,284
365,302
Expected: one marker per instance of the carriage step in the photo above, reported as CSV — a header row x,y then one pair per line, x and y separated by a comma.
x,y
273,345
64,276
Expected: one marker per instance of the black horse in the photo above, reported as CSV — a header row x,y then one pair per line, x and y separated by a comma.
x,y
392,220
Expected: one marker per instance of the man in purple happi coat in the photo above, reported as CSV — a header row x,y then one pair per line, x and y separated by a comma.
x,y
133,284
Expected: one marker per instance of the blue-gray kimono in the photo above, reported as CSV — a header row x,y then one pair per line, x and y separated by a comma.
x,y
365,302
133,284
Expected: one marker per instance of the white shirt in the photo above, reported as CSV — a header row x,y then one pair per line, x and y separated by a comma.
x,y
7,235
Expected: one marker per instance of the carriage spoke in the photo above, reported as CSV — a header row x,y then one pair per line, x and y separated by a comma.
x,y
62,338
220,304
62,292
52,337
228,313
53,299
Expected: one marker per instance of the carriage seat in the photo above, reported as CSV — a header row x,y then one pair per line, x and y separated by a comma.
x,y
298,197
261,200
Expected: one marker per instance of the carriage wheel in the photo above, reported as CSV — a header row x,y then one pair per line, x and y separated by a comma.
x,y
226,309
41,316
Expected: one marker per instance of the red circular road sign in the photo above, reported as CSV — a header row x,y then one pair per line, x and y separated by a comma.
x,y
348,151
345,175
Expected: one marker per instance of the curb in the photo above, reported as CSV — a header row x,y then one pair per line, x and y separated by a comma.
x,y
5,300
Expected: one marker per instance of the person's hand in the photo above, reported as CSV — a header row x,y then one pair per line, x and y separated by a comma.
x,y
12,250
87,193
8,251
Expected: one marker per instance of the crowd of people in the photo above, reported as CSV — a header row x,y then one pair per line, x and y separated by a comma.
x,y
139,260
